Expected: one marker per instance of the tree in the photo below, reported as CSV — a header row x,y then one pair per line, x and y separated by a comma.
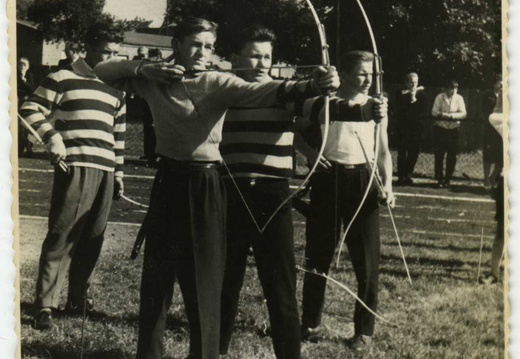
x,y
136,23
440,39
21,8
65,20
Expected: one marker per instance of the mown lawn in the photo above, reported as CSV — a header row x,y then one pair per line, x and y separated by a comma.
x,y
445,314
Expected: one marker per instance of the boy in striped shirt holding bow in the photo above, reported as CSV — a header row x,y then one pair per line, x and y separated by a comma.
x,y
88,135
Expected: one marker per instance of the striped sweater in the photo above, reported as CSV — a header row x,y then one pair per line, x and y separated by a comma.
x,y
257,142
89,115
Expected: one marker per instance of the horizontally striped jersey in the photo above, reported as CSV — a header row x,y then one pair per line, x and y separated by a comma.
x,y
89,116
258,142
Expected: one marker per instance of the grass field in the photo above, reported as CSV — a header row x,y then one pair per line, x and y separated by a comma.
x,y
445,314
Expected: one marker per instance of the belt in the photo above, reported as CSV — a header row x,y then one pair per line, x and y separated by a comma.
x,y
349,167
254,181
170,163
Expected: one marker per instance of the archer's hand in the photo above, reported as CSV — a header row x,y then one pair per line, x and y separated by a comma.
x,y
375,109
161,72
118,187
57,149
325,79
323,164
388,198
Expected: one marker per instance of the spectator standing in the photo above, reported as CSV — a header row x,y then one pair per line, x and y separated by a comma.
x,y
142,53
88,136
492,154
72,53
155,55
496,119
410,112
448,110
24,88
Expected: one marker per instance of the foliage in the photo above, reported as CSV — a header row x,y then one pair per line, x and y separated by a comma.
x,y
440,39
66,20
137,22
21,8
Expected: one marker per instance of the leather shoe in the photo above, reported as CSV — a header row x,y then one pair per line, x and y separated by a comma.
x,y
361,343
73,307
43,320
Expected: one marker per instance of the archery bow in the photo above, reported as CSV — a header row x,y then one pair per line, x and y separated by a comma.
x,y
380,185
379,93
325,59
347,289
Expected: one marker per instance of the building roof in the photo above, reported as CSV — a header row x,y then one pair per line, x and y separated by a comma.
x,y
30,24
150,40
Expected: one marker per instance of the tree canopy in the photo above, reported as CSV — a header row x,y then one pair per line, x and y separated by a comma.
x,y
68,20
441,39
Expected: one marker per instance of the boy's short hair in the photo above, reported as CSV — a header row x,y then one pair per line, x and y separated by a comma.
x,y
104,30
253,33
409,75
352,58
450,84
194,25
74,47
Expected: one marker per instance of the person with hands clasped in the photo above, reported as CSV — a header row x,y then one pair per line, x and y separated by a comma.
x,y
337,192
88,135
185,236
448,110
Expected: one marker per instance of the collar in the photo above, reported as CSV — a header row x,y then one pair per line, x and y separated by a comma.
x,y
81,68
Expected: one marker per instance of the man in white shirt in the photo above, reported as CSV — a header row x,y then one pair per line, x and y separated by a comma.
x,y
448,110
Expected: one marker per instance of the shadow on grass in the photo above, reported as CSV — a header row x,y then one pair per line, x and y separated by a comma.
x,y
28,310
57,351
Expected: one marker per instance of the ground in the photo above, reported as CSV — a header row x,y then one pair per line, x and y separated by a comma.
x,y
444,314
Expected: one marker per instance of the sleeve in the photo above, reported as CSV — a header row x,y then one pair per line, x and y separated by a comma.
x,y
115,73
460,112
437,106
340,110
41,104
236,92
119,136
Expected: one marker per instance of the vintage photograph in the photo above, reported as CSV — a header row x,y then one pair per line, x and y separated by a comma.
x,y
257,179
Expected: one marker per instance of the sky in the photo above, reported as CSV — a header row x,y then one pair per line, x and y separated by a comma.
x,y
129,9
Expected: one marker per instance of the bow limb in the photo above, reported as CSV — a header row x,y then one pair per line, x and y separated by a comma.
x,y
379,93
379,182
348,290
326,108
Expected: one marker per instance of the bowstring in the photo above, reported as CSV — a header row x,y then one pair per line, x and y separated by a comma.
x,y
235,184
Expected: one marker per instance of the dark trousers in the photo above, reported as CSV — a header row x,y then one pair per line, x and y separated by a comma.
x,y
186,241
80,206
408,152
335,197
274,255
446,143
